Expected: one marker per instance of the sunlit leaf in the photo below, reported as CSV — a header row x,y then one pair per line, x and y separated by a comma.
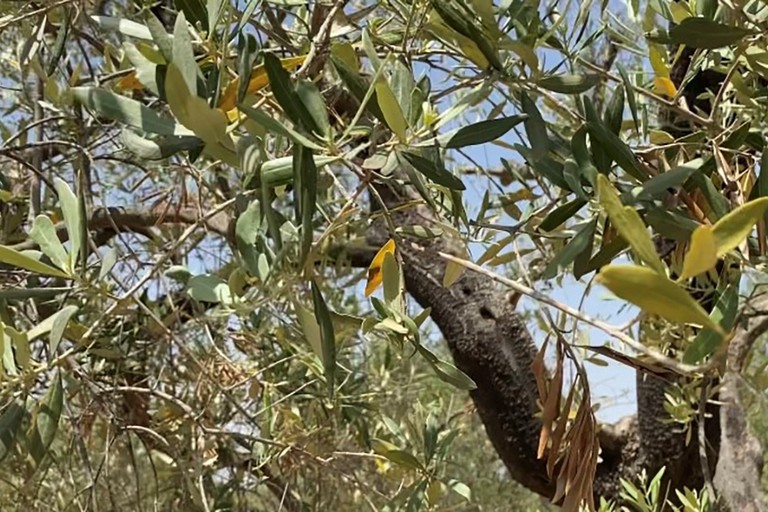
x,y
44,234
702,253
731,230
127,111
628,223
654,293
389,106
209,288
73,219
14,258
375,274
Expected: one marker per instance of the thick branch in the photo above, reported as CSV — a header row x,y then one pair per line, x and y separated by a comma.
x,y
490,342
740,464
116,219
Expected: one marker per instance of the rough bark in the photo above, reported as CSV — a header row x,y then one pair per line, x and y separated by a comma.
x,y
740,464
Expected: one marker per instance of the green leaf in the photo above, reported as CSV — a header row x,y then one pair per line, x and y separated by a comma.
x,y
433,171
124,26
127,111
209,288
535,127
560,214
215,9
654,293
671,225
305,183
581,241
617,150
44,234
358,86
183,55
10,425
14,258
60,320
731,230
389,106
195,11
149,73
275,126
452,375
630,92
33,293
246,231
569,83
628,223
161,38
402,458
160,148
46,421
70,208
286,96
613,116
707,34
391,278
315,104
484,131
724,314
194,112
279,171
659,184
327,337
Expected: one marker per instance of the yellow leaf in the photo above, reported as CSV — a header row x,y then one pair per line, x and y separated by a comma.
x,y
375,274
702,253
733,228
629,224
393,114
258,81
654,294
453,270
665,86
658,58
129,83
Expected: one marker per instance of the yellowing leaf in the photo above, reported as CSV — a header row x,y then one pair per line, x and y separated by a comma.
x,y
733,228
629,224
453,270
393,114
665,86
375,274
129,83
258,81
702,253
658,58
654,293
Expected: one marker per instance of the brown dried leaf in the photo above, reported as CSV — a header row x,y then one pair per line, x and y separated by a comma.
x,y
551,405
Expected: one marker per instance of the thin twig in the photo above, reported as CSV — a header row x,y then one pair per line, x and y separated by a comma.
x,y
612,331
